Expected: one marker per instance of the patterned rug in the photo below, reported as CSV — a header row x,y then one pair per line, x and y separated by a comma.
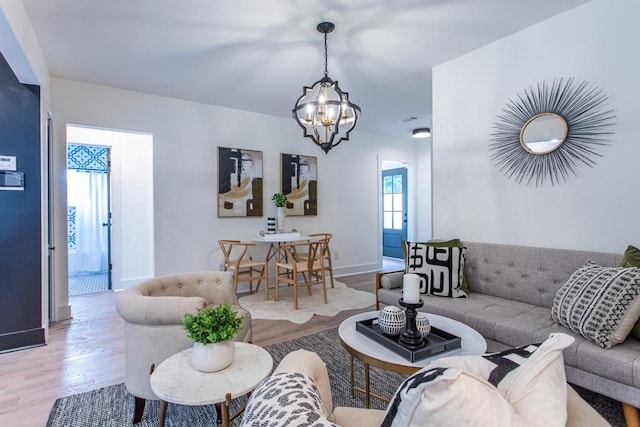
x,y
113,406
339,298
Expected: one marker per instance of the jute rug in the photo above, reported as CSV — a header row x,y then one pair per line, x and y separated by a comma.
x,y
113,406
339,298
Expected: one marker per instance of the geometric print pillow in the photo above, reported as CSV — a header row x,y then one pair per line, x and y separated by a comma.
x,y
440,268
286,398
600,303
524,386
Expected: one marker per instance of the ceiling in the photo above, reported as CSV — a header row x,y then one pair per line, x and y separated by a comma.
x,y
257,55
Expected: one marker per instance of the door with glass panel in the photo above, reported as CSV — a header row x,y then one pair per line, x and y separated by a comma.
x,y
394,211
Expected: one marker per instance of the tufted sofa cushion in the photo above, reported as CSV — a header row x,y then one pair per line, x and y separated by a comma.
x,y
526,274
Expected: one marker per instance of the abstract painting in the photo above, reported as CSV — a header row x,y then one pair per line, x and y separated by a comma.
x,y
299,182
239,182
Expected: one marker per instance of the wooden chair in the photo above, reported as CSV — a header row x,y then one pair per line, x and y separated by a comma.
x,y
326,253
295,271
243,266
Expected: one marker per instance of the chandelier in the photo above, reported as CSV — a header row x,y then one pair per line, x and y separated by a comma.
x,y
324,111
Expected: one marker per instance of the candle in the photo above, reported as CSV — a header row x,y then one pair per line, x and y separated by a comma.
x,y
411,288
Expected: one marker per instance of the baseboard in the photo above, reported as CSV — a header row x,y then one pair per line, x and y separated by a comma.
x,y
356,269
21,339
63,313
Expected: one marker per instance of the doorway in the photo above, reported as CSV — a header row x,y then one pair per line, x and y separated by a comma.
x,y
88,218
394,211
130,222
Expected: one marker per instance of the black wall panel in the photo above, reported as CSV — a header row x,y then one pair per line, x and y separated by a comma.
x,y
20,211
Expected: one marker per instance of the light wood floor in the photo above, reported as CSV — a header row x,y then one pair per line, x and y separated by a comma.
x,y
87,353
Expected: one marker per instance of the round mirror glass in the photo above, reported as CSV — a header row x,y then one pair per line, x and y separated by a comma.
x,y
543,133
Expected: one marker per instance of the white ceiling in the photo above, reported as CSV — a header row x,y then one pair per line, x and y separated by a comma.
x,y
256,55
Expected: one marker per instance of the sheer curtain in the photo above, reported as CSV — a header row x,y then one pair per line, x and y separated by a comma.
x,y
87,191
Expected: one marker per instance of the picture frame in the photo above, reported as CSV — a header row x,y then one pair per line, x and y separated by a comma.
x,y
240,182
299,182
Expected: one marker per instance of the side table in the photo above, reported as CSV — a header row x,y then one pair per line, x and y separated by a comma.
x,y
176,381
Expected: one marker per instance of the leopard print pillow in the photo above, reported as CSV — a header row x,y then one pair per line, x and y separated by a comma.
x,y
286,398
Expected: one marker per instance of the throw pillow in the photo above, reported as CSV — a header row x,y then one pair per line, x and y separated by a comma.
x,y
440,268
449,243
600,303
632,259
286,398
446,243
524,386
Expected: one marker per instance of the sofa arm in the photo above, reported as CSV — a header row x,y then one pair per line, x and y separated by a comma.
x,y
388,280
144,310
310,364
357,417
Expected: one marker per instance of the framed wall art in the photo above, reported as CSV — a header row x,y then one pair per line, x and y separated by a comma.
x,y
299,182
550,129
239,182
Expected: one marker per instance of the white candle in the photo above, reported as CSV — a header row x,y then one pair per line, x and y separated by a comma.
x,y
411,288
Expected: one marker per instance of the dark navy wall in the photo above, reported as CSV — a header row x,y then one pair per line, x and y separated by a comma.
x,y
20,239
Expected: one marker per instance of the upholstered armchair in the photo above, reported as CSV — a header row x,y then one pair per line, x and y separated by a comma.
x,y
152,313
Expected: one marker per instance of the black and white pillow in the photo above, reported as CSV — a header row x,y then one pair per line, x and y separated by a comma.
x,y
600,303
520,386
440,268
286,399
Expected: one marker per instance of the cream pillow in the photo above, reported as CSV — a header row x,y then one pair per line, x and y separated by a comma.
x,y
524,386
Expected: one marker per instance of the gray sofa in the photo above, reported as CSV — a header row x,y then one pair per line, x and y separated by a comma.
x,y
512,291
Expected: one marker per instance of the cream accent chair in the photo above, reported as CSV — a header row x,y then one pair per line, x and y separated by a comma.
x,y
580,413
152,313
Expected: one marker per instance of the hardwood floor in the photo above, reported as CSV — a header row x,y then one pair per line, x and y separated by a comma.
x,y
87,352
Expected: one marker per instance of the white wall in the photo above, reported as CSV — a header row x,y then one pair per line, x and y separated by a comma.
x,y
473,200
185,140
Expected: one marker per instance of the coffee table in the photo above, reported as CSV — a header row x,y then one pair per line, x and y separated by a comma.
x,y
176,381
371,353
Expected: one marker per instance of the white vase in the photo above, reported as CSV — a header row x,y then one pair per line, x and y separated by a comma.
x,y
280,219
212,357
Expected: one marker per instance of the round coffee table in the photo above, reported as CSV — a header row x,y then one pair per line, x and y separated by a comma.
x,y
371,353
176,381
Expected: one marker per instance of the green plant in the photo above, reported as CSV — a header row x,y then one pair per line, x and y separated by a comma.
x,y
279,199
212,324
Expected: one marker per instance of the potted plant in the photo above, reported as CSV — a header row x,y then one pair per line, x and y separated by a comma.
x,y
212,329
280,200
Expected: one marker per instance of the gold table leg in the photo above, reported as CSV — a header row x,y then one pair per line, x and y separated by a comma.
x,y
163,413
225,410
351,384
367,389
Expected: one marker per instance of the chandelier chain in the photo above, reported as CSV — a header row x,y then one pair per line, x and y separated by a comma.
x,y
326,73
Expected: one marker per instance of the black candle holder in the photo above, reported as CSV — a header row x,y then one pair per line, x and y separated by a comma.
x,y
411,337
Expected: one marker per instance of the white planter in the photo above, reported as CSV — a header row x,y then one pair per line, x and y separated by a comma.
x,y
212,357
280,219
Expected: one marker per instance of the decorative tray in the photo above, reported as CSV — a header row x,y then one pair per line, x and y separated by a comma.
x,y
438,341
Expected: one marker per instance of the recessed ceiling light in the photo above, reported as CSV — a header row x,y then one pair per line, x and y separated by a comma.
x,y
421,133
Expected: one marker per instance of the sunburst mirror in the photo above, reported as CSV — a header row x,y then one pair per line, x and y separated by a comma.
x,y
549,129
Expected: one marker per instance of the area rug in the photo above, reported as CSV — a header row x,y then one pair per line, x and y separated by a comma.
x,y
113,406
339,298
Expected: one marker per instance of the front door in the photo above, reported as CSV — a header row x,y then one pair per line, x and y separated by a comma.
x,y
394,211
